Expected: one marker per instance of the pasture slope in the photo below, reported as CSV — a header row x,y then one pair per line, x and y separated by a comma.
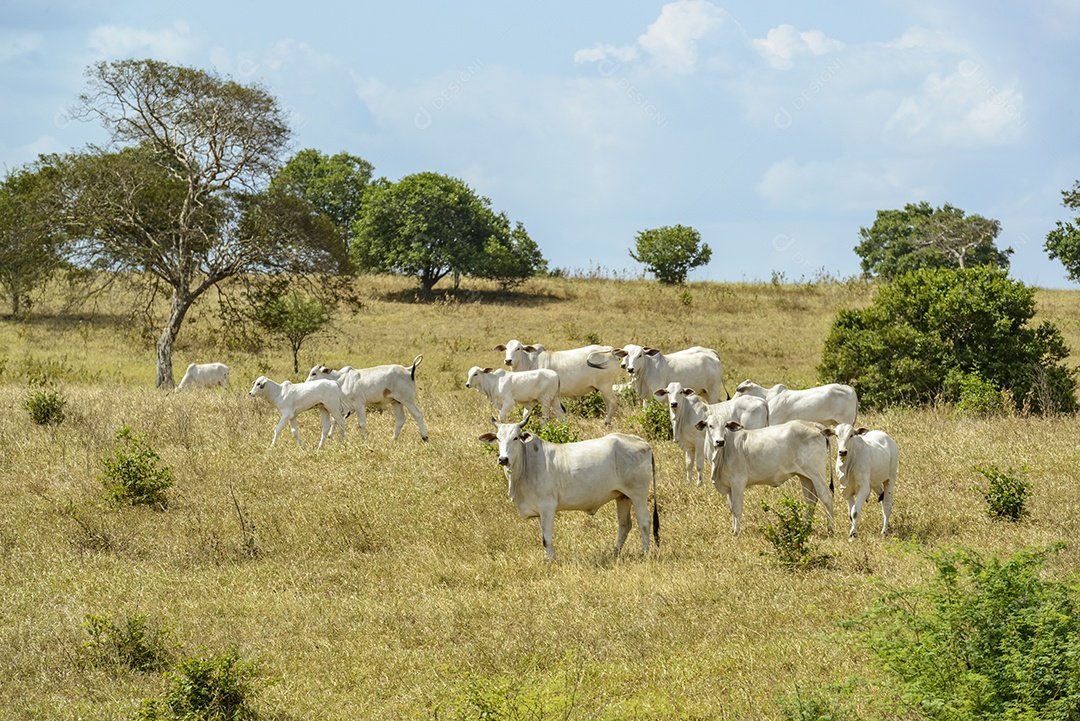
x,y
389,580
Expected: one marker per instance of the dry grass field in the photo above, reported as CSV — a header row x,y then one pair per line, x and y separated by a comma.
x,y
394,580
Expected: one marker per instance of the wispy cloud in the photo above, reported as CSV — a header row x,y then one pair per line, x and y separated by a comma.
x,y
172,44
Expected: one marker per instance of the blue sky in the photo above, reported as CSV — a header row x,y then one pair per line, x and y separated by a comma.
x,y
775,129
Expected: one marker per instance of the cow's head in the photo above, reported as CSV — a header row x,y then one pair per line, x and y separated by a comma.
x,y
318,372
847,437
474,373
514,350
258,388
673,395
510,437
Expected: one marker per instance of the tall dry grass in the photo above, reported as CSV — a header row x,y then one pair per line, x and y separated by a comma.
x,y
382,579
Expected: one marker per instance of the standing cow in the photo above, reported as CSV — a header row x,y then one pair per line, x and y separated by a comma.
x,y
829,405
548,477
650,370
576,376
866,461
769,456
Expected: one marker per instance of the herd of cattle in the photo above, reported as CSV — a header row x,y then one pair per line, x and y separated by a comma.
x,y
756,436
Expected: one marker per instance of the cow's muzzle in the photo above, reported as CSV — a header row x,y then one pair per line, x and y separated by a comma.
x,y
504,461
842,453
508,362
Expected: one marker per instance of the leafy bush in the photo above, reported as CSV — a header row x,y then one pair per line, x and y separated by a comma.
x,y
985,639
135,473
932,322
220,688
558,432
590,405
670,252
1007,495
816,706
654,419
790,536
973,394
134,644
46,407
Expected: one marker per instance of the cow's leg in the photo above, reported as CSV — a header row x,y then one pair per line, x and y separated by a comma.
x,y
325,417
690,464
814,490
417,415
856,507
735,500
295,430
361,418
399,417
609,397
504,410
554,406
279,428
886,504
644,522
547,532
623,507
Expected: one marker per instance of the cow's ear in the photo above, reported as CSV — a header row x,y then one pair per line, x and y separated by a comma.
x,y
487,370
494,422
828,432
862,431
619,353
651,351
734,426
499,347
525,436
688,391
489,438
662,392
701,425
529,349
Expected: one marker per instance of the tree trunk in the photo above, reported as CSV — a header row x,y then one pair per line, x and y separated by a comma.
x,y
178,308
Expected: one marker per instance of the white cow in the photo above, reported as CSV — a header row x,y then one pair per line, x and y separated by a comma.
x,y
650,370
576,376
769,456
547,477
378,387
292,399
866,461
687,408
829,405
204,375
506,389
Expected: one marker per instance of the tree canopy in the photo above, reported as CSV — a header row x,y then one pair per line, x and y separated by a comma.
x,y
1063,242
670,252
333,184
32,244
932,331
429,225
921,236
182,193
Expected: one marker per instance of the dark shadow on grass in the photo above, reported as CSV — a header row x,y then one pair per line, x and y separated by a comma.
x,y
515,298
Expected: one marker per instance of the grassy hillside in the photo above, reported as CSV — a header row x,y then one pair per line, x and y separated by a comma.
x,y
382,579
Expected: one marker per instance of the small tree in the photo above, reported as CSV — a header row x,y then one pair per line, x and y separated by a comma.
x,y
32,243
511,258
932,326
671,252
292,316
1063,242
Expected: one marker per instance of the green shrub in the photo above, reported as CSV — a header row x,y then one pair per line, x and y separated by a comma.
x,y
46,407
790,536
816,706
973,395
1006,498
985,639
135,474
558,432
654,419
220,688
590,405
134,644
932,324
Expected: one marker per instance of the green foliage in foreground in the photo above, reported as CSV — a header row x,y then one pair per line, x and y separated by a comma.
x,y
1006,496
46,407
220,688
135,474
132,644
791,536
985,639
937,325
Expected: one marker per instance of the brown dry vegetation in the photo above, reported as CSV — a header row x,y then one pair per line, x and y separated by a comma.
x,y
388,579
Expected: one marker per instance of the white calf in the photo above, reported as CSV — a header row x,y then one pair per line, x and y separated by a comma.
x,y
204,375
577,376
829,405
650,370
866,461
292,399
506,389
378,387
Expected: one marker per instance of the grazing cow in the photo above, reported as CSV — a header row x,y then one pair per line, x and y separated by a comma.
x,y
866,461
378,386
576,376
506,389
204,375
291,399
768,456
698,368
829,405
548,477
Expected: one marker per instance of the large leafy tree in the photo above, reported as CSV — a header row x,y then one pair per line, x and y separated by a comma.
x,y
425,225
511,257
182,192
670,252
32,244
930,330
921,236
333,184
1063,242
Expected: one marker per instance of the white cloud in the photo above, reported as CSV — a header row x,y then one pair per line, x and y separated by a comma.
x,y
173,44
672,39
783,43
842,184
15,45
601,52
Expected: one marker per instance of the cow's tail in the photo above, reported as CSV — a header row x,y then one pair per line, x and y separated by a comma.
x,y
416,362
828,462
655,507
